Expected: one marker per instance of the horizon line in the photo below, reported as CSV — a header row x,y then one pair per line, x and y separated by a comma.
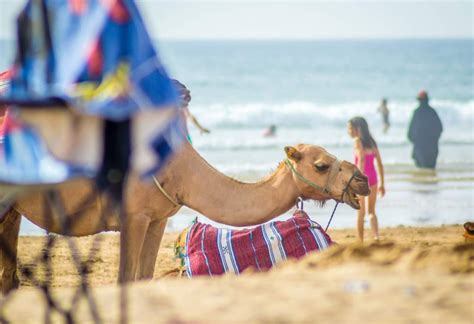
x,y
315,38
389,38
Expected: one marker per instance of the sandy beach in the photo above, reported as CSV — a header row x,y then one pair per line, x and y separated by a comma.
x,y
414,275
384,85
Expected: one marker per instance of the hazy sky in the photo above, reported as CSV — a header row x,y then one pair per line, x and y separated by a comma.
x,y
292,19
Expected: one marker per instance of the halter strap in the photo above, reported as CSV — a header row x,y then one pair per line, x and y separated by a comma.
x,y
342,198
332,176
355,174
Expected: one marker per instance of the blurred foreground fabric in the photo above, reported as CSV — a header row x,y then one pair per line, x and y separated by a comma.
x,y
79,66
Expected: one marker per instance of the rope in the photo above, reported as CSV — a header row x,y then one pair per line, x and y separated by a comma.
x,y
342,198
299,203
308,182
331,177
158,185
332,215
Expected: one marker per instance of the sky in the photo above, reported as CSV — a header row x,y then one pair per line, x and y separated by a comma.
x,y
293,19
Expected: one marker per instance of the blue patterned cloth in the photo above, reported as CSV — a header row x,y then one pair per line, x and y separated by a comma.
x,y
95,57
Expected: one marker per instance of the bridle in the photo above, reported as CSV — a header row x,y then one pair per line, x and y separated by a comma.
x,y
334,170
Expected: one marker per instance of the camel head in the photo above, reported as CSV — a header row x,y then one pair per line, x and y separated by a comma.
x,y
318,175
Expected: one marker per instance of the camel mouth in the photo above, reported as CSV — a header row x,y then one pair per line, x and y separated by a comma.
x,y
352,199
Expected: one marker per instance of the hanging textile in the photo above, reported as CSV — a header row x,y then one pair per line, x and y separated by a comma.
x,y
82,65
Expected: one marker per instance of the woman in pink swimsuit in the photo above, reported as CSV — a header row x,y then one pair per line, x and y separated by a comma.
x,y
365,154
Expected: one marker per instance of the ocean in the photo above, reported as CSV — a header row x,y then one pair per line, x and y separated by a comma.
x,y
309,90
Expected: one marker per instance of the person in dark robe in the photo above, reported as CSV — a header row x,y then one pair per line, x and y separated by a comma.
x,y
424,132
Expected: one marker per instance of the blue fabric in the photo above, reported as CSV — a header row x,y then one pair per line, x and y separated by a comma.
x,y
87,47
25,160
95,57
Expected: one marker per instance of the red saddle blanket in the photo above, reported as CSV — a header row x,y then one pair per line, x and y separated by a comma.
x,y
207,250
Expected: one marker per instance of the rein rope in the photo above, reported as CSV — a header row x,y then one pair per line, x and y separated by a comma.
x,y
163,191
342,197
332,215
333,172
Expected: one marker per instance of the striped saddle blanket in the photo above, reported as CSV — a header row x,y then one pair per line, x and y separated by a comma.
x,y
207,250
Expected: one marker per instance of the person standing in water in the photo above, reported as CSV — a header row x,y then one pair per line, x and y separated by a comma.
x,y
383,110
424,132
270,131
366,153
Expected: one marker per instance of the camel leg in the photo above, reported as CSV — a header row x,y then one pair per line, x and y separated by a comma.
x,y
150,249
132,236
9,230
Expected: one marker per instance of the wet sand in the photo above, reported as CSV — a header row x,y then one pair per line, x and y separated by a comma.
x,y
414,275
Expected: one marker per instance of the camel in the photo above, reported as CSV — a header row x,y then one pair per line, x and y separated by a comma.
x,y
308,171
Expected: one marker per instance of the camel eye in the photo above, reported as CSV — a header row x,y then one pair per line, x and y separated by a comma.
x,y
321,167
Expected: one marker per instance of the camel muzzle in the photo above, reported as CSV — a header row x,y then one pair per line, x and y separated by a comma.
x,y
360,185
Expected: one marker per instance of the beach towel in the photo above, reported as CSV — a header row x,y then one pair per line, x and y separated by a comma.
x,y
207,250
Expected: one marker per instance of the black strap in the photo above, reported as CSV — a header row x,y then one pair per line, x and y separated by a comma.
x,y
342,197
116,158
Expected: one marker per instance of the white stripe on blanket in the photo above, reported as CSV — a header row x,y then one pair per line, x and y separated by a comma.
x,y
225,250
321,241
273,244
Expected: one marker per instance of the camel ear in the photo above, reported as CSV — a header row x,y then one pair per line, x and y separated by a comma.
x,y
292,153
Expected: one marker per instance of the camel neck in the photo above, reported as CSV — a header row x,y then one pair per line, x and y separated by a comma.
x,y
228,201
